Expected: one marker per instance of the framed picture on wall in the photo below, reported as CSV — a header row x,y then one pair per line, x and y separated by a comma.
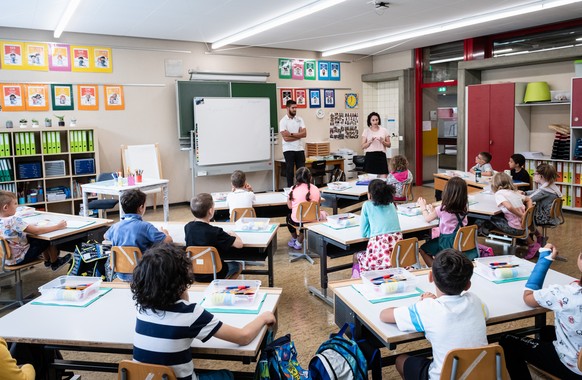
x,y
314,98
329,98
334,71
285,95
323,70
12,95
301,98
114,98
88,97
59,57
81,58
12,55
310,70
102,59
62,96
284,68
37,97
297,69
36,56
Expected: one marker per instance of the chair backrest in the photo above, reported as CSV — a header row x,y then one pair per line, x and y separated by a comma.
x,y
205,260
487,362
124,258
466,238
317,168
5,250
405,253
243,212
359,161
105,176
307,212
556,210
407,191
130,370
580,360
527,221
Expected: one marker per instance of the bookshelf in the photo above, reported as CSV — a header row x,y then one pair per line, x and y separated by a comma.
x,y
46,166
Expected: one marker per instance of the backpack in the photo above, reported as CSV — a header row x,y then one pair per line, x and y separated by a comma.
x,y
89,260
343,358
337,175
278,361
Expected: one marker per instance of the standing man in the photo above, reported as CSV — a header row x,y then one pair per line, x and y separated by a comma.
x,y
292,130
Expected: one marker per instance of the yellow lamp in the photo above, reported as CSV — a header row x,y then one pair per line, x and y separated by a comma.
x,y
537,92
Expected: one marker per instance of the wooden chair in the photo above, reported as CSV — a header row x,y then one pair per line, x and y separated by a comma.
x,y
479,363
405,254
527,226
466,239
124,258
238,213
205,260
306,212
555,214
407,194
130,370
16,269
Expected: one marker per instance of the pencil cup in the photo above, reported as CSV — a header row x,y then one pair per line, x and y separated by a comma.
x,y
138,178
130,181
21,200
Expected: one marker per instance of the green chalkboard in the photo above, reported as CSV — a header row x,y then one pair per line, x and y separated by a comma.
x,y
259,90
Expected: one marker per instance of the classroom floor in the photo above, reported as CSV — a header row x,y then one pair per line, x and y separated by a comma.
x,y
305,317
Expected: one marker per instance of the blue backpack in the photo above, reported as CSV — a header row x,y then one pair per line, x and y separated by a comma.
x,y
278,361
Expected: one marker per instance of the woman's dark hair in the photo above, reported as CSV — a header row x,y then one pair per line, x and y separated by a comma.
x,y
381,193
455,197
302,175
370,118
160,278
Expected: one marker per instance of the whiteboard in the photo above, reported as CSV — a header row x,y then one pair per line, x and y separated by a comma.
x,y
143,157
232,130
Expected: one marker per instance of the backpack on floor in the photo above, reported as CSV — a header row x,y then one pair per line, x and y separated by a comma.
x,y
343,358
88,260
278,361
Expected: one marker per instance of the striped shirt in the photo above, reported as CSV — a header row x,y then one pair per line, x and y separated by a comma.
x,y
165,338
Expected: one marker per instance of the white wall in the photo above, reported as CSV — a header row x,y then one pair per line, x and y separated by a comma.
x,y
150,112
395,61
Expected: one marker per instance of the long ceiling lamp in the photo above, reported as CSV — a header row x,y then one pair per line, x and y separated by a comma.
x,y
277,21
501,14
66,17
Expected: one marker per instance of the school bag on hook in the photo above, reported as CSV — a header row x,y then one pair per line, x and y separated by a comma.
x,y
278,361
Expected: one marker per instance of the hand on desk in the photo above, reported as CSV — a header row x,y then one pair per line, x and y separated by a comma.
x,y
427,295
268,318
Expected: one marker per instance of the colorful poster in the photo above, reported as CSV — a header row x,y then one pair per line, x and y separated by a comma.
x,y
114,98
310,70
37,97
314,98
81,59
12,97
102,60
12,55
286,94
351,100
284,68
343,125
36,56
297,69
301,97
87,97
62,96
329,98
59,57
334,71
323,67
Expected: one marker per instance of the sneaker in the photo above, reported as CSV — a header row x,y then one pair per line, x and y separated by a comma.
x,y
355,271
298,246
292,242
532,251
540,240
61,261
47,263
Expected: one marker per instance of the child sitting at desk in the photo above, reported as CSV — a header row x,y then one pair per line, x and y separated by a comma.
x,y
516,165
167,322
379,222
132,230
302,191
448,319
558,349
9,370
399,176
547,191
201,233
482,163
452,215
24,249
242,195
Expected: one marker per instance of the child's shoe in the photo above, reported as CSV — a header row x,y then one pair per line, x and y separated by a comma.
x,y
532,251
291,242
61,261
47,263
356,270
298,246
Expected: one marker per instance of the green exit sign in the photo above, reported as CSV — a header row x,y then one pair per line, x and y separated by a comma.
x,y
442,89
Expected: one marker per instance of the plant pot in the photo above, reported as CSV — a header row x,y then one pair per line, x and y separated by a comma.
x,y
61,123
9,124
48,123
23,125
35,125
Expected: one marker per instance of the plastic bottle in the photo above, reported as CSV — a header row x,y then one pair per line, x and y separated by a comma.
x,y
477,175
39,195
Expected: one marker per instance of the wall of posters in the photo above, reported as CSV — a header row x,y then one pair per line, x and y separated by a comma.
x,y
343,125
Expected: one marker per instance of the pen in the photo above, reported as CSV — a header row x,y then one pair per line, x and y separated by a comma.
x,y
239,287
389,280
505,266
382,277
497,263
346,217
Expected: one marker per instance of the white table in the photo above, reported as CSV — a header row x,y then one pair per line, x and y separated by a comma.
x,y
265,244
108,324
71,232
504,301
112,188
355,193
266,200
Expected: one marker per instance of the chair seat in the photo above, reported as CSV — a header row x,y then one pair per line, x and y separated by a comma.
x,y
102,204
23,266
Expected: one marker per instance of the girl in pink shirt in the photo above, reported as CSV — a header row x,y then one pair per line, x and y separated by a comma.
x,y
302,191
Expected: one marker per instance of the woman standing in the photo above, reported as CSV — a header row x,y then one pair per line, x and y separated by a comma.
x,y
375,140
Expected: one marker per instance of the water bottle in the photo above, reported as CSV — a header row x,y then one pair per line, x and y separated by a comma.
x,y
477,175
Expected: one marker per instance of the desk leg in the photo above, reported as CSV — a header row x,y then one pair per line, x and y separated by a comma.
x,y
322,294
121,212
271,248
85,203
166,203
277,175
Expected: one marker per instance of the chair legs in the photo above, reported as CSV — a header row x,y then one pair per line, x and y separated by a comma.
x,y
303,255
19,299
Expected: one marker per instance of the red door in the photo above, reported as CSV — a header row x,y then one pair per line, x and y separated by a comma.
x,y
576,102
501,124
477,121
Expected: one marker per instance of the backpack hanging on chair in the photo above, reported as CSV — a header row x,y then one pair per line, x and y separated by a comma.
x,y
278,361
337,175
88,260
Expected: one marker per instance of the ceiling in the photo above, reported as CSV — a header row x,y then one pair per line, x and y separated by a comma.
x,y
210,20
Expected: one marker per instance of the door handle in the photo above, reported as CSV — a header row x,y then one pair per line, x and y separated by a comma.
x,y
490,142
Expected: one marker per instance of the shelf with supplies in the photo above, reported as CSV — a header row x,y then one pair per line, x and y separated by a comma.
x,y
46,167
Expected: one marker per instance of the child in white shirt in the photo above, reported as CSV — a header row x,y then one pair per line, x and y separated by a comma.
x,y
242,195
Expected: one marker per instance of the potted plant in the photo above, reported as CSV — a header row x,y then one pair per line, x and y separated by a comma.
x,y
34,123
23,123
9,124
61,120
48,122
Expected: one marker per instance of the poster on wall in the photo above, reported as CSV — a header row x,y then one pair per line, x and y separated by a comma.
x,y
334,71
36,56
87,97
314,98
62,97
301,97
329,98
37,97
297,69
343,125
323,70
12,97
114,98
12,55
81,59
59,57
102,60
284,68
285,95
309,70
351,100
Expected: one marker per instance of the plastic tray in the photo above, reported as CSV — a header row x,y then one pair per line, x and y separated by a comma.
x,y
502,267
231,292
252,224
342,220
400,280
219,197
70,288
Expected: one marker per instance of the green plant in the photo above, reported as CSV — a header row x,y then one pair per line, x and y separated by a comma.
x,y
23,121
47,119
61,118
34,121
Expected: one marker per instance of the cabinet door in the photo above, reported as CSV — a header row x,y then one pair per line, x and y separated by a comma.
x,y
576,102
477,121
501,124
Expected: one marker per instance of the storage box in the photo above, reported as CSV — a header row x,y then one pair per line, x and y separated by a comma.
x,y
389,281
70,288
342,220
502,267
561,96
231,292
338,186
317,149
84,166
252,224
28,170
219,197
55,168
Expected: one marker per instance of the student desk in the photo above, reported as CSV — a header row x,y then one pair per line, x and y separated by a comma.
x,y
353,194
332,243
111,188
504,301
265,244
77,226
441,179
267,204
107,325
280,164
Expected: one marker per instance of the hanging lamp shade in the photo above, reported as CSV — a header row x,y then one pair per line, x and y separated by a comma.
x,y
537,92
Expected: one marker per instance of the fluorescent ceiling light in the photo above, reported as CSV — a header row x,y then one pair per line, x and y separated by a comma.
x,y
579,39
446,60
497,15
277,21
73,4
